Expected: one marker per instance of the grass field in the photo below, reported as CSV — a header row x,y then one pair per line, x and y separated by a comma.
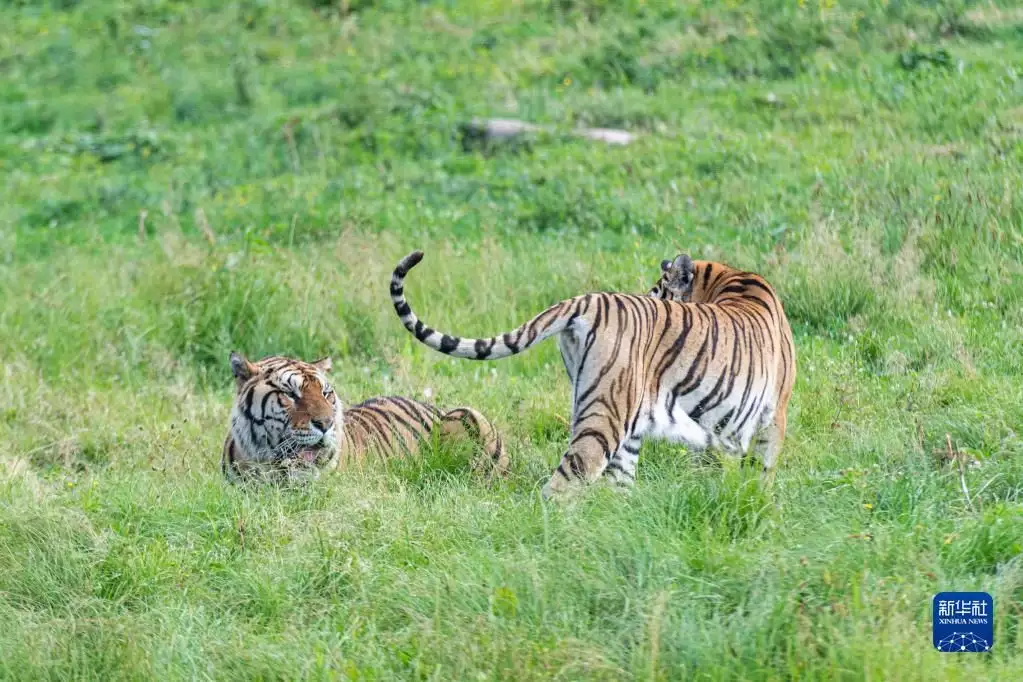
x,y
181,179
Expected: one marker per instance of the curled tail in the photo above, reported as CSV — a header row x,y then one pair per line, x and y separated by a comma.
x,y
548,323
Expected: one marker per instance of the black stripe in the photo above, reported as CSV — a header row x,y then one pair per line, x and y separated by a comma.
x,y
708,402
391,416
262,405
249,396
723,422
595,435
463,417
382,437
512,346
669,357
615,466
693,377
758,283
483,348
408,407
228,460
575,465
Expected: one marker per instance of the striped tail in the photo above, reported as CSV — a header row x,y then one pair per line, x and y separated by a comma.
x,y
546,324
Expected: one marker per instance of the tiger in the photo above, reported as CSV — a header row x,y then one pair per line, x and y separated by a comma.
x,y
705,358
287,423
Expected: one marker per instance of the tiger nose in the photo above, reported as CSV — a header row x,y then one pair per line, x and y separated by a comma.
x,y
323,424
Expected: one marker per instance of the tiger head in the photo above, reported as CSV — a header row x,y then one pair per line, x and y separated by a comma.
x,y
676,282
286,416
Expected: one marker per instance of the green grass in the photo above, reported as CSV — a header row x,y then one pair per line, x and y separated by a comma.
x,y
865,156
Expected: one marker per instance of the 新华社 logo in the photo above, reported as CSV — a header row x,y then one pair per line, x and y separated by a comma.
x,y
963,622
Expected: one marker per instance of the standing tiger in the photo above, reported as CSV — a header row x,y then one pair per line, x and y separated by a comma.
x,y
705,358
288,421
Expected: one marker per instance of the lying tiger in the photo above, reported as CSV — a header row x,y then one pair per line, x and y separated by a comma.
x,y
288,422
706,358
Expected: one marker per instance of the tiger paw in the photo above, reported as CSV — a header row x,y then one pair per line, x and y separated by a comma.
x,y
620,488
559,487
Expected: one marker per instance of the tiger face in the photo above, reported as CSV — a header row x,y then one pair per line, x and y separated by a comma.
x,y
676,282
286,414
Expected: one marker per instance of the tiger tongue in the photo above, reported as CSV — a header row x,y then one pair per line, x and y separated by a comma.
x,y
309,455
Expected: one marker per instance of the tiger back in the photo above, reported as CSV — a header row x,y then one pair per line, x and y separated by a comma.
x,y
288,422
713,369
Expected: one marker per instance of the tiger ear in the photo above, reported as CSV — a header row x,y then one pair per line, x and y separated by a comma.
x,y
682,267
323,364
665,264
242,369
683,262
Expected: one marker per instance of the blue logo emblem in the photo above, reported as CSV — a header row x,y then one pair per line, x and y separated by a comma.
x,y
963,622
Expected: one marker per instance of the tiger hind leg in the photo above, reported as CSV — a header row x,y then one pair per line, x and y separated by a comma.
x,y
583,462
767,445
622,467
466,423
592,449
